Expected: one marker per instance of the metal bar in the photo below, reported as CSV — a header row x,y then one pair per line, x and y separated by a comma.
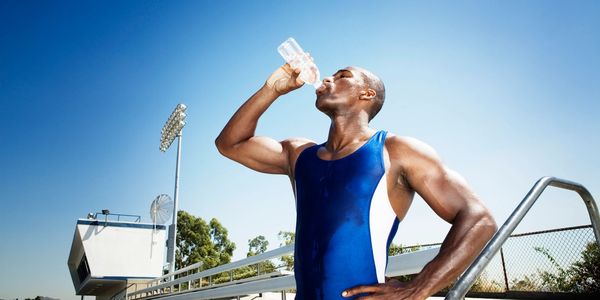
x,y
403,264
234,265
589,201
137,217
460,289
504,270
233,290
410,263
550,230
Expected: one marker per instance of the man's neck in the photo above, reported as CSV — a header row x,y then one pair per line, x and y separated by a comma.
x,y
347,130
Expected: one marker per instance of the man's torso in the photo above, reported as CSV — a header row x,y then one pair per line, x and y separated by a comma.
x,y
345,219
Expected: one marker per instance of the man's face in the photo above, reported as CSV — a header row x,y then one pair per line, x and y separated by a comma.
x,y
340,91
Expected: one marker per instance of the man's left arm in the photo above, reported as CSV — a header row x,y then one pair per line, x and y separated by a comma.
x,y
448,194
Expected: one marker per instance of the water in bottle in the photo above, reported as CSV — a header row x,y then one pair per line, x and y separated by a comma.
x,y
293,54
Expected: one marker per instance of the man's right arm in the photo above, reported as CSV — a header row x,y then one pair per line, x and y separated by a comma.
x,y
237,140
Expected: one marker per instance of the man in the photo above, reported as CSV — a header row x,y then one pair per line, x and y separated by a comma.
x,y
352,191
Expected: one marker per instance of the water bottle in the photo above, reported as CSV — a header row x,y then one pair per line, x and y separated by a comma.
x,y
293,54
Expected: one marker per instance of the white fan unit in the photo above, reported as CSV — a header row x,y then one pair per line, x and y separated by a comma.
x,y
161,209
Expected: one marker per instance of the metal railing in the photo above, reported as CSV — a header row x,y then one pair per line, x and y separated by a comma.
x,y
460,289
279,281
111,217
171,283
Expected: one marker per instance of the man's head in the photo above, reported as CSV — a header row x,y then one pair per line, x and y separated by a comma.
x,y
351,90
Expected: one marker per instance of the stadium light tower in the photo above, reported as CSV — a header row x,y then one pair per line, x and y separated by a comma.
x,y
172,129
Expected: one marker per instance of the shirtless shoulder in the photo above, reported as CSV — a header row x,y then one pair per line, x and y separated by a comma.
x,y
293,147
405,153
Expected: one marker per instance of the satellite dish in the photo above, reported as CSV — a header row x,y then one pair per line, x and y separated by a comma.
x,y
161,209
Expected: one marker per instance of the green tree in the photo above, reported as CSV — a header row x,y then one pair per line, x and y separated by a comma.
x,y
586,272
526,284
287,238
559,282
582,276
198,241
257,245
399,249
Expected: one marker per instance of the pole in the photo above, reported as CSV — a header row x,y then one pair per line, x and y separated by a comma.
x,y
506,289
175,206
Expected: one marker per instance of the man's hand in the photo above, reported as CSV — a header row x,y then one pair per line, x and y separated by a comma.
x,y
238,140
392,289
284,80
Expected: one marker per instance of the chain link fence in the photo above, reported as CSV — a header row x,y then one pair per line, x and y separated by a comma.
x,y
539,264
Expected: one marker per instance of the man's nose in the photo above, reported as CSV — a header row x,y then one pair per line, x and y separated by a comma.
x,y
328,79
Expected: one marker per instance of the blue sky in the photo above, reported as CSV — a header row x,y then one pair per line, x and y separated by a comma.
x,y
506,92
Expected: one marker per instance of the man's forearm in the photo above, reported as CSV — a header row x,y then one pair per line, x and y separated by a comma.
x,y
467,236
242,124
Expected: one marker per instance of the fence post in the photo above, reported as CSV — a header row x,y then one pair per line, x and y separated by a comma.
x,y
504,270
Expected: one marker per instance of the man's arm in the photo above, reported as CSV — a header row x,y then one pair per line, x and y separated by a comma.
x,y
237,140
448,194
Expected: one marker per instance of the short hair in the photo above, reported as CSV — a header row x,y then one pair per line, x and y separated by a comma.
x,y
375,83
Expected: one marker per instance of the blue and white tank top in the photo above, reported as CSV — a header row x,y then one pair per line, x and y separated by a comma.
x,y
344,221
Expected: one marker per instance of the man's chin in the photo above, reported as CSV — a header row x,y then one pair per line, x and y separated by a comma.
x,y
323,104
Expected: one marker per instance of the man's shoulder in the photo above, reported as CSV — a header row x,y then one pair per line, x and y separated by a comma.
x,y
297,144
297,141
406,147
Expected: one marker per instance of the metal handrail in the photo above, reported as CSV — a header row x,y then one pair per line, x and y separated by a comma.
x,y
460,289
402,264
136,218
171,281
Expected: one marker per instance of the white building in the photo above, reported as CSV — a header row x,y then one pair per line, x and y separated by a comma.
x,y
107,254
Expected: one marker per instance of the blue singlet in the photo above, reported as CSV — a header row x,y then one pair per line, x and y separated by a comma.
x,y
345,222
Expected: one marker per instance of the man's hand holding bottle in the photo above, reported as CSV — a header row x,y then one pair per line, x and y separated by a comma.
x,y
284,80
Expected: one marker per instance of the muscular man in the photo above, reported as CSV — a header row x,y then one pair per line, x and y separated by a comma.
x,y
353,190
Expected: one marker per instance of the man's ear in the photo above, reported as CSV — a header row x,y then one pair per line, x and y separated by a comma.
x,y
369,94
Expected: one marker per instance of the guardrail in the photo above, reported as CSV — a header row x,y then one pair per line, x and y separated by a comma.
x,y
169,288
169,282
462,286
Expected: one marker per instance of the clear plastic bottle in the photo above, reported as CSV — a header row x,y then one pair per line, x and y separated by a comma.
x,y
293,54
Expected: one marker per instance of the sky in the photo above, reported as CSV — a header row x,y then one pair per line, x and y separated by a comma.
x,y
505,91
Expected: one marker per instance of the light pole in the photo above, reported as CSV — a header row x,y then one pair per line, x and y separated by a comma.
x,y
172,129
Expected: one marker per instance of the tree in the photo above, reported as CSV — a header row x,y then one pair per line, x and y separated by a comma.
x,y
399,249
257,245
586,273
582,276
561,282
526,284
198,241
288,238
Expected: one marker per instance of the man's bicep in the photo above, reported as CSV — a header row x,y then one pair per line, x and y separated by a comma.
x,y
444,190
262,154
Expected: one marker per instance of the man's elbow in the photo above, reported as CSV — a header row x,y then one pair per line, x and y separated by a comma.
x,y
223,147
488,223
